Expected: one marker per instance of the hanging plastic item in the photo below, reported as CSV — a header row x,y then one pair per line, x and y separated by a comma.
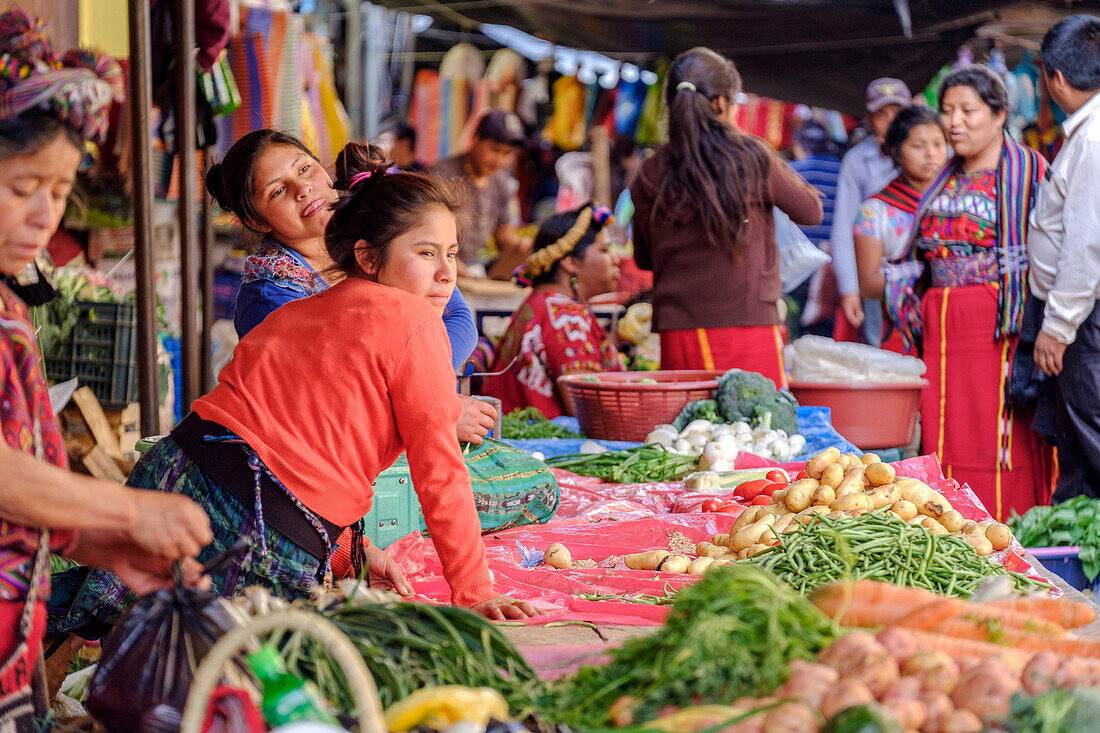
x,y
651,130
219,87
566,128
629,98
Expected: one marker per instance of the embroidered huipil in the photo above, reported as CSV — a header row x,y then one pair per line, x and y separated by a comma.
x,y
958,232
551,335
28,425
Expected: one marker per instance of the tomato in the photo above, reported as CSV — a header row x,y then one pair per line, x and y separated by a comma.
x,y
773,487
762,500
730,507
711,505
778,474
751,489
801,475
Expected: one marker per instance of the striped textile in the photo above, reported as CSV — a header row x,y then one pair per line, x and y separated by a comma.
x,y
821,172
286,570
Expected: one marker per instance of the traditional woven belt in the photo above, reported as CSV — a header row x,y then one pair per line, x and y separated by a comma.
x,y
953,272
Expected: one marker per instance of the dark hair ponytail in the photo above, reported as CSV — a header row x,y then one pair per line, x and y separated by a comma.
x,y
378,206
230,182
710,163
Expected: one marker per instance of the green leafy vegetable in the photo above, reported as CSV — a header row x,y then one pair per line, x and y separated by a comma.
x,y
1054,711
730,634
749,396
1073,522
698,410
529,423
641,464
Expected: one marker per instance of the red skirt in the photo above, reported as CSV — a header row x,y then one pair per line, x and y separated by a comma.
x,y
752,348
965,420
16,679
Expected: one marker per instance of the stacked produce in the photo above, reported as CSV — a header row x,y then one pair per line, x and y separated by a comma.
x,y
746,414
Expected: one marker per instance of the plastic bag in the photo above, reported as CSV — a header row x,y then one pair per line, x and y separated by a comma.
x,y
817,359
150,658
798,256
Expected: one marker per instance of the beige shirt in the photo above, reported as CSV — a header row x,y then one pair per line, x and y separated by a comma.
x,y
1064,236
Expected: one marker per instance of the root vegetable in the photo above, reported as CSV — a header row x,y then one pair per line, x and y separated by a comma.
x,y
832,475
999,536
784,523
751,550
986,689
846,694
939,706
791,717
868,458
952,520
800,494
751,535
725,560
906,688
709,549
824,496
885,495
747,517
859,656
700,565
852,501
905,509
722,540
979,542
779,497
969,526
675,564
645,560
911,714
557,556
899,642
879,473
1070,614
622,711
936,671
816,465
1039,674
961,721
933,526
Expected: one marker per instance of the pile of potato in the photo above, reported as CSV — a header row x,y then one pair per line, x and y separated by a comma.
x,y
849,485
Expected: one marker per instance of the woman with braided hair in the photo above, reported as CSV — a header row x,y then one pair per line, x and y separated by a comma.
x,y
553,332
48,107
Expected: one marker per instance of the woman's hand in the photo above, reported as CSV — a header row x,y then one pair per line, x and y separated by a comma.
x,y
386,571
168,525
502,608
851,306
141,571
477,420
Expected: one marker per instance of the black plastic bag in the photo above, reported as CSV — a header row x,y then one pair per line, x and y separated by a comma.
x,y
150,658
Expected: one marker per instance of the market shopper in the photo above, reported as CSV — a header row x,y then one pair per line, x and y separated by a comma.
x,y
282,193
292,470
1064,252
48,107
703,224
490,206
916,143
554,332
864,171
971,237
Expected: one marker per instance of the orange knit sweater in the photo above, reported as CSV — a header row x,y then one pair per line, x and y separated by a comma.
x,y
330,389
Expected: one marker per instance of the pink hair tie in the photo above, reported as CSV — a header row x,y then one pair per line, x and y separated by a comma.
x,y
359,178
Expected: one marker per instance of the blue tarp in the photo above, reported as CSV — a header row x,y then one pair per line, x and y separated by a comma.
x,y
814,423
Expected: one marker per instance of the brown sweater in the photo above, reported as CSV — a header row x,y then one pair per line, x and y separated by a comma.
x,y
698,283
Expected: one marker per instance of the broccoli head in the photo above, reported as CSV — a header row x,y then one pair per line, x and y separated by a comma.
x,y
697,410
749,396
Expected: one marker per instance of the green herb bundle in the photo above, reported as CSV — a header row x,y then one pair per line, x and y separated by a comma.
x,y
636,465
878,546
730,634
1073,522
529,423
408,646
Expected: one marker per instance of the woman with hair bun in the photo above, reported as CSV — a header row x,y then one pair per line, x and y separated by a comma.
x,y
49,106
553,332
703,224
293,470
282,193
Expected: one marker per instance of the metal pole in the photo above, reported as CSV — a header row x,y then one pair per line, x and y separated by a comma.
x,y
188,221
353,66
207,280
142,146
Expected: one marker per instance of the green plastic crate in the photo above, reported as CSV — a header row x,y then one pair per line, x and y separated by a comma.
x,y
101,352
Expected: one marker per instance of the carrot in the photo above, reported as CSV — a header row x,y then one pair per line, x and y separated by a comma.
x,y
930,614
1076,646
1013,619
957,647
961,628
869,602
1069,614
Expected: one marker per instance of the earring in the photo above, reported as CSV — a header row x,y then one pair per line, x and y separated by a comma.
x,y
573,281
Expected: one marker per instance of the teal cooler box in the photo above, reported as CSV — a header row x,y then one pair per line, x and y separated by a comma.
x,y
1065,562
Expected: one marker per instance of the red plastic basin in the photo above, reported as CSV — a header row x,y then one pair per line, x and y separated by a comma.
x,y
869,415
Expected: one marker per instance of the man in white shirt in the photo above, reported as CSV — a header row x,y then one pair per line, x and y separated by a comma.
x,y
864,172
1064,253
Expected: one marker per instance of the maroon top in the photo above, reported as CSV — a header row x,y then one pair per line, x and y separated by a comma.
x,y
698,283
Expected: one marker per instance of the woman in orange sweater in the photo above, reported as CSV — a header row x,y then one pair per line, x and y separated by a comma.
x,y
322,396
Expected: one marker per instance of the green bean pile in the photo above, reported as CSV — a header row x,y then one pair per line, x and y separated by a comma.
x,y
637,465
529,423
878,546
408,646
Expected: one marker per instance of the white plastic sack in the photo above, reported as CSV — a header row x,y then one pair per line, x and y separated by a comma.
x,y
816,359
798,256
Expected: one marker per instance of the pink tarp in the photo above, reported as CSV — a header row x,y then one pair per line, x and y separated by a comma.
x,y
602,522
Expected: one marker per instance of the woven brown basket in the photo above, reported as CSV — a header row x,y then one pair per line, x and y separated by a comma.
x,y
617,407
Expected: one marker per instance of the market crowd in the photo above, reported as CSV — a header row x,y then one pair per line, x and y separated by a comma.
x,y
949,238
